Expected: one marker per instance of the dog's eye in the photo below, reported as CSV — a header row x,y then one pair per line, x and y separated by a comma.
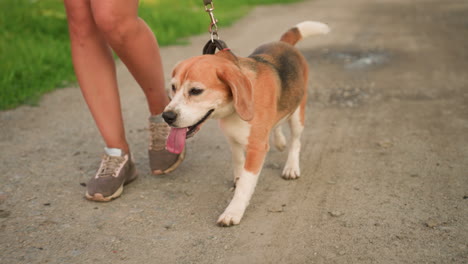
x,y
173,88
196,91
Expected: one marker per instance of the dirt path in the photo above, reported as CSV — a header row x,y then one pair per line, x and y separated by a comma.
x,y
384,163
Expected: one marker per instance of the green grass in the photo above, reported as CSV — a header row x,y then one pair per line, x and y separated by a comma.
x,y
34,43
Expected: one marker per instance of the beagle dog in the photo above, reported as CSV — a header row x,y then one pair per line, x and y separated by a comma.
x,y
251,97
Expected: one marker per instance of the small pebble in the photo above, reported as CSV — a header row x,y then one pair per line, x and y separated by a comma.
x,y
432,223
276,210
385,144
336,213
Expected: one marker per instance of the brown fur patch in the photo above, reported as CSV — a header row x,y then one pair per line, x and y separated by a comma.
x,y
292,36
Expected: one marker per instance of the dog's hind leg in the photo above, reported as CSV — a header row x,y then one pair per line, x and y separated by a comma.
x,y
279,139
296,124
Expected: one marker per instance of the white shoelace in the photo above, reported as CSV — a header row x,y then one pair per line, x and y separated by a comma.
x,y
110,165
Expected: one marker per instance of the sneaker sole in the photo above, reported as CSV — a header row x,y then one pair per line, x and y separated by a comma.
x,y
173,167
98,197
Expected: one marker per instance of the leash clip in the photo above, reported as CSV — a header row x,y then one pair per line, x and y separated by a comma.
x,y
213,29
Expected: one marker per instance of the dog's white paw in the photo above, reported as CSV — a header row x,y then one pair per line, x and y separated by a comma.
x,y
291,172
230,217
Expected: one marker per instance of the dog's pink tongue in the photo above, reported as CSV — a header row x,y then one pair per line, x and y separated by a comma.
x,y
176,140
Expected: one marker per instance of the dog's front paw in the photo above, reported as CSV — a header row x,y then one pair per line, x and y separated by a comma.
x,y
291,172
230,217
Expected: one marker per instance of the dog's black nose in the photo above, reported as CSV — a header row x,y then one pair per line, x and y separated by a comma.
x,y
169,116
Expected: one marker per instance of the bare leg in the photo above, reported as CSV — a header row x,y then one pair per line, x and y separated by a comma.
x,y
136,45
95,71
92,25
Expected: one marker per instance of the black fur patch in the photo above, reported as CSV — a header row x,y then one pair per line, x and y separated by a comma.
x,y
286,63
259,58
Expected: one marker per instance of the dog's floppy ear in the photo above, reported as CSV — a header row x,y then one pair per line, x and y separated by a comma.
x,y
227,54
241,89
175,68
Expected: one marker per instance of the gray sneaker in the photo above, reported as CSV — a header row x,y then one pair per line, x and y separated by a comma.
x,y
116,170
160,159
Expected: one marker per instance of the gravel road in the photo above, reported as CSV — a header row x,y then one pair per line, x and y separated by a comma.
x,y
384,159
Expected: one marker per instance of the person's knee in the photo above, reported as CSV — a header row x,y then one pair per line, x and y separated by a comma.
x,y
80,20
116,28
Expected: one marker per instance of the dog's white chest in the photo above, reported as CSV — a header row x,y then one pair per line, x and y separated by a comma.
x,y
234,128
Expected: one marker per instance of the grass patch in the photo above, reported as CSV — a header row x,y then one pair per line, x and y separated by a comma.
x,y
34,43
188,17
34,51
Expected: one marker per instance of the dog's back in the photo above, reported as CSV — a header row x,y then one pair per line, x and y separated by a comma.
x,y
289,64
291,69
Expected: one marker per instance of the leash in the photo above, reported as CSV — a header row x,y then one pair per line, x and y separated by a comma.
x,y
214,42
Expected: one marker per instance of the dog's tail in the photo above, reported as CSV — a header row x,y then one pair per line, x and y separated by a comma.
x,y
303,30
